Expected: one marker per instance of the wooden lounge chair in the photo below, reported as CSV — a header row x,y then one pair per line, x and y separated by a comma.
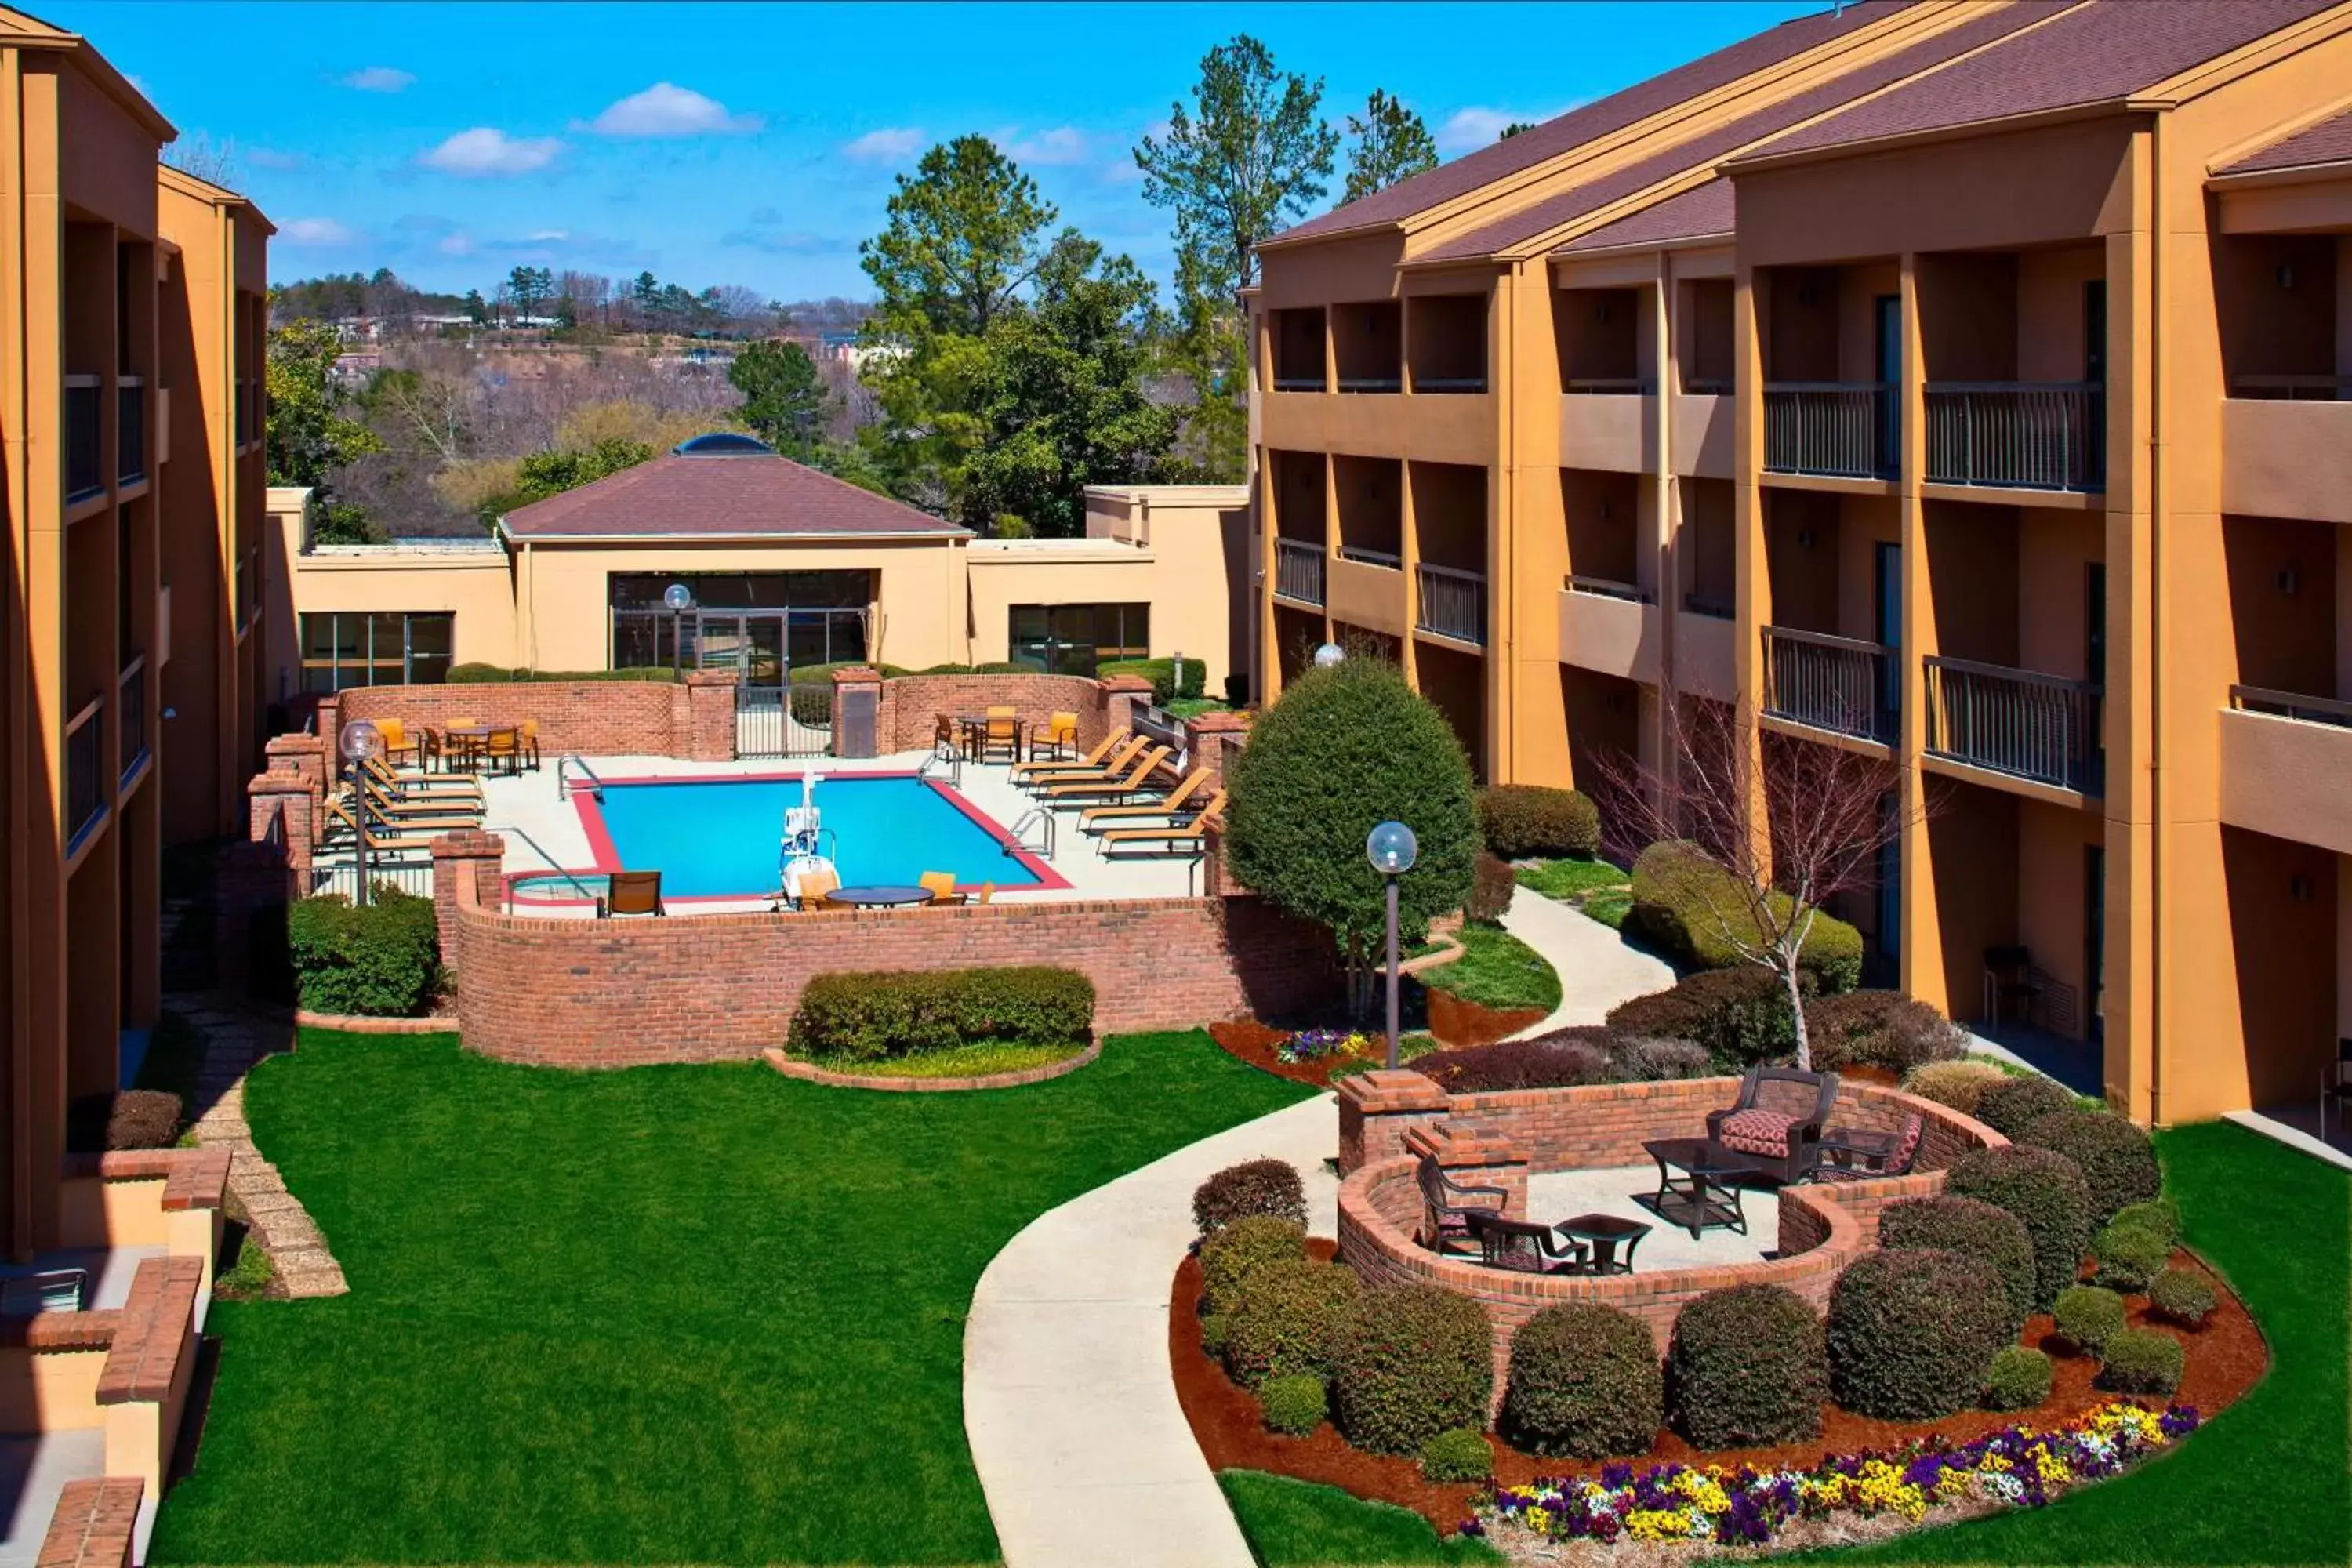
x,y
1093,759
941,887
423,786
1128,748
1070,796
1102,818
1447,1205
337,812
631,893
1775,1128
385,804
1186,840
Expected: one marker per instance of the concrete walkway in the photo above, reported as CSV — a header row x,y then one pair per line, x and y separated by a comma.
x,y
1598,968
1074,1427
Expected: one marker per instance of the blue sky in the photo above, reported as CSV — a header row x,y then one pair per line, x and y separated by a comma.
x,y
756,144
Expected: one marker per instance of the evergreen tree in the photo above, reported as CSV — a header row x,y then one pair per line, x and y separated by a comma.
x,y
1391,143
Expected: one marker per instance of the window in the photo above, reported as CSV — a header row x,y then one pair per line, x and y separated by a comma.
x,y
381,648
1071,640
756,623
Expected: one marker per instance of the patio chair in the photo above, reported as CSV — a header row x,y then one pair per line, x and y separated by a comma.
x,y
1775,1129
987,891
2010,984
1070,796
1864,1153
398,742
941,887
503,749
1447,1205
1033,777
1093,759
529,743
1523,1246
1061,736
338,811
631,893
1187,839
1102,818
2335,1088
460,812
943,733
816,887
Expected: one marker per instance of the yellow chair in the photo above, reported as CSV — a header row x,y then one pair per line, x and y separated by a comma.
x,y
941,887
503,749
1091,760
987,891
816,887
397,741
1002,711
1061,735
530,743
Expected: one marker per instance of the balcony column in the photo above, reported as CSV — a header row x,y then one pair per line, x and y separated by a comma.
x,y
1922,968
1330,532
1409,555
1658,545
1751,576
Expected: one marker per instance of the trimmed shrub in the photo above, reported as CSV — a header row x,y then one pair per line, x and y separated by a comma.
x,y
1253,1187
1740,1015
2010,1107
1747,1366
1294,1405
2046,1193
1232,1254
2116,1155
128,1119
380,960
1408,1362
1880,1030
2161,1216
891,1013
2017,1379
2087,1316
1562,1060
1642,1058
2130,1257
1911,1331
1960,1085
1281,1322
1459,1454
2141,1361
1166,686
1976,1229
1584,1382
1523,820
1684,903
1214,1326
1492,883
2182,1296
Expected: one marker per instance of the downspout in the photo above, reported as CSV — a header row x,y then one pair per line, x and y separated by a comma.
x,y
2158,514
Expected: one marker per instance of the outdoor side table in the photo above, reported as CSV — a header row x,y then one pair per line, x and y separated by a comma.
x,y
1696,1186
1604,1234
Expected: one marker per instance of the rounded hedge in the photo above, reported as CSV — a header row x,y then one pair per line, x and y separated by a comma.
x,y
1294,1405
2010,1108
1230,1256
1912,1329
2129,1256
1253,1187
1686,903
2161,1216
1282,1323
2116,1155
1741,1016
1880,1030
1972,1226
2017,1379
1960,1085
1584,1382
2087,1316
2141,1361
1407,1362
1747,1366
2182,1296
1457,1455
1492,885
2046,1193
1522,820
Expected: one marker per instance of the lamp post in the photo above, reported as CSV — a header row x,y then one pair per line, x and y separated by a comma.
x,y
1330,654
679,598
361,741
1392,848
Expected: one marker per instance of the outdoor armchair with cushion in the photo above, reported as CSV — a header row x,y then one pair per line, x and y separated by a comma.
x,y
1523,1246
1101,818
1447,1205
1069,796
1864,1153
1092,759
1775,1128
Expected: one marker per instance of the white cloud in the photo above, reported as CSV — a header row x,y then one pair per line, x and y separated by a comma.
x,y
315,231
666,108
263,158
458,244
1470,129
884,145
486,150
548,235
379,79
1062,144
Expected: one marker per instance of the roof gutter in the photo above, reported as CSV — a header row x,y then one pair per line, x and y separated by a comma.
x,y
1686,242
2287,174
1966,130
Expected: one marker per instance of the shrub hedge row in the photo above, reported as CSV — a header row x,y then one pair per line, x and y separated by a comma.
x,y
1584,1382
1880,1030
1165,686
1977,1229
380,960
1960,1085
1563,1059
2116,1155
1740,1016
2014,1104
868,1017
1253,1187
1281,1325
1232,1254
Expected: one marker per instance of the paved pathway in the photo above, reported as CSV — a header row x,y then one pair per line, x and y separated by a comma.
x,y
1597,969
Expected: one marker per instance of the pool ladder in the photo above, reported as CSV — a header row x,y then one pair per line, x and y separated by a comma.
x,y
944,756
1041,817
573,759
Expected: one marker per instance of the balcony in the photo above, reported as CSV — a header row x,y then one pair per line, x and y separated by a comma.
x,y
2049,435
130,430
1298,572
2287,456
131,688
2286,766
1452,603
86,791
1610,627
1830,429
1366,588
1705,655
1603,426
85,438
1702,434
2041,727
1824,682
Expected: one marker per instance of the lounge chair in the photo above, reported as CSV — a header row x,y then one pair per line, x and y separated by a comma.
x,y
1186,840
1070,796
423,786
1775,1128
941,887
631,893
1447,1205
385,804
1102,818
1093,759
1129,748
337,812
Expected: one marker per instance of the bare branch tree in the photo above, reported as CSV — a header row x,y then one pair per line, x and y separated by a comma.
x,y
1770,829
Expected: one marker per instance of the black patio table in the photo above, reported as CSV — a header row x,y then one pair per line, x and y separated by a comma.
x,y
1604,1234
1696,1185
879,896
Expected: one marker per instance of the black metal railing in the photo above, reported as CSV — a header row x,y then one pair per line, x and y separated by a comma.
x,y
2292,705
1298,383
1453,602
129,429
1609,588
1371,382
86,791
1442,383
1707,385
1712,607
130,705
1610,385
1365,555
1298,571
1830,682
1832,429
2040,727
85,437
2047,436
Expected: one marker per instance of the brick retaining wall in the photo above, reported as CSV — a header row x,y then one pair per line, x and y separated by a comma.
x,y
693,719
911,703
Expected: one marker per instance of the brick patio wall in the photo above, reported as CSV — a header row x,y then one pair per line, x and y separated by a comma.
x,y
693,719
911,703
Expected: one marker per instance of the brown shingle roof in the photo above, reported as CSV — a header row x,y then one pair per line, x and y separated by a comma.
x,y
2101,52
1702,210
1600,118
2330,141
1705,150
753,497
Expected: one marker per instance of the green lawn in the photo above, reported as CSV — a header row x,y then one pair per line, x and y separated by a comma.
x,y
694,1314
1599,888
1298,1524
1496,970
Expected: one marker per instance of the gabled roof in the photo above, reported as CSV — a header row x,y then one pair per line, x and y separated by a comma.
x,y
1593,120
1697,214
21,29
2330,141
735,496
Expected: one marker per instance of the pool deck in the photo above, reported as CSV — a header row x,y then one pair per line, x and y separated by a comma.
x,y
543,831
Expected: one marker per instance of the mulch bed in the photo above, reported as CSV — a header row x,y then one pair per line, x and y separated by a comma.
x,y
1255,1043
2226,1358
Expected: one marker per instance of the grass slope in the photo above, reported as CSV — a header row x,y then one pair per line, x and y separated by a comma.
x,y
694,1314
1596,888
1496,970
1298,1524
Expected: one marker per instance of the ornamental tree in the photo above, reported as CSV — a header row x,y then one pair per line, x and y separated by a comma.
x,y
1345,749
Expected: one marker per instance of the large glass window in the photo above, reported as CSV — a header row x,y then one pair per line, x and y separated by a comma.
x,y
383,647
758,623
1071,640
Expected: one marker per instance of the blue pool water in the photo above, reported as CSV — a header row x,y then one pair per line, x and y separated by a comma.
x,y
721,837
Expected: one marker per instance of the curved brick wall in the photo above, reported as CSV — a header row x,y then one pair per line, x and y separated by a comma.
x,y
693,719
911,703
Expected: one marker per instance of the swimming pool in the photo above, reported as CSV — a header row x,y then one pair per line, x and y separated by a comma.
x,y
719,837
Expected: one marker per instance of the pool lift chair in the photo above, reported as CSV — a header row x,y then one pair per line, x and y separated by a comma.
x,y
809,849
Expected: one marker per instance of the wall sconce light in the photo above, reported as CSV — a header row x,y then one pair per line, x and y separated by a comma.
x,y
1807,294
1604,512
2298,887
2289,580
1601,312
1804,539
2287,275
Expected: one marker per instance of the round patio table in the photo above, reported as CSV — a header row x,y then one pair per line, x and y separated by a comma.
x,y
881,896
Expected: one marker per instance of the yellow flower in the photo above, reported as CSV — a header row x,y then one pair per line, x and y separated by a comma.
x,y
1657,1524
